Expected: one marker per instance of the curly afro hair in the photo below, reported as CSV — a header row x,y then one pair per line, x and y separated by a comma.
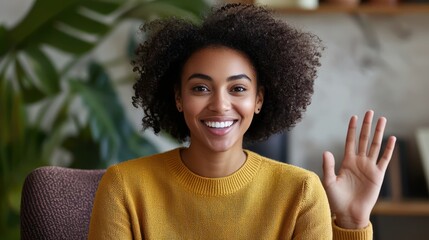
x,y
285,60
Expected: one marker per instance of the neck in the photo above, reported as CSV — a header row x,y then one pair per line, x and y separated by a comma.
x,y
213,164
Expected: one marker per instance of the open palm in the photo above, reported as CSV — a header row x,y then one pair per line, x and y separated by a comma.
x,y
354,191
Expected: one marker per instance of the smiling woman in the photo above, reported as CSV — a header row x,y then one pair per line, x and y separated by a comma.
x,y
240,76
284,59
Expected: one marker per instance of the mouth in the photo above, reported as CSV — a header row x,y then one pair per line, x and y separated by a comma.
x,y
219,124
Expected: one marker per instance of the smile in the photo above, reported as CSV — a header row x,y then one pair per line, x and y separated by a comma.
x,y
213,124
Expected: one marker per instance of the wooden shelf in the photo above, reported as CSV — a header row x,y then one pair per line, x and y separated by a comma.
x,y
361,9
402,208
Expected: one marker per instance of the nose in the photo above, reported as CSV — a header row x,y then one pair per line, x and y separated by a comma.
x,y
219,102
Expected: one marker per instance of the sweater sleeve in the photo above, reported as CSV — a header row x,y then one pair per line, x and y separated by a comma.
x,y
352,234
314,217
110,219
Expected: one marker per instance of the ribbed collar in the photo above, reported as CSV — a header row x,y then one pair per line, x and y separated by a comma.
x,y
214,186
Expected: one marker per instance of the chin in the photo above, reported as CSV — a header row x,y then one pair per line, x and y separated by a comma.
x,y
222,146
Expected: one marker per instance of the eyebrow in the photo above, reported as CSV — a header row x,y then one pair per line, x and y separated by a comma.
x,y
231,78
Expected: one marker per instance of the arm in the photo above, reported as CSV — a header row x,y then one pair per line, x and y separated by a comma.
x,y
109,218
354,191
314,219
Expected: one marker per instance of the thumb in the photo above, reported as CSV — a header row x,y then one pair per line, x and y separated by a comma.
x,y
328,168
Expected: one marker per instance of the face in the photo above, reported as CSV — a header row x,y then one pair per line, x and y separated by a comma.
x,y
218,97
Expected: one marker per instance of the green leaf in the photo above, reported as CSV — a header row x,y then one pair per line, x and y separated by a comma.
x,y
156,9
195,7
12,128
33,148
40,15
101,125
84,150
132,46
132,145
3,40
45,70
84,23
49,22
30,92
107,120
65,42
13,115
53,141
5,138
103,7
63,112
14,198
17,119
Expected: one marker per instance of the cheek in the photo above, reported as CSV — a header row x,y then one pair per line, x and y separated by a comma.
x,y
247,105
191,104
191,107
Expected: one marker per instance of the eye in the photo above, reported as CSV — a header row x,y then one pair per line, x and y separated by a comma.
x,y
238,89
200,89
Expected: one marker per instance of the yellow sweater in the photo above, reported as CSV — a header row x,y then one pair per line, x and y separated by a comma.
x,y
157,197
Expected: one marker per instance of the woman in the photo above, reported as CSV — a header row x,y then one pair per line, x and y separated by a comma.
x,y
239,76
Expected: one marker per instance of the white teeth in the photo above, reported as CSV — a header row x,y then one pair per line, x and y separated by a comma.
x,y
219,124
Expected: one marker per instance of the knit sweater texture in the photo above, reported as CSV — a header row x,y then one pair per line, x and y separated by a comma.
x,y
158,197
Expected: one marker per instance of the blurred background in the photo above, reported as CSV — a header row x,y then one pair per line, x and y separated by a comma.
x,y
66,87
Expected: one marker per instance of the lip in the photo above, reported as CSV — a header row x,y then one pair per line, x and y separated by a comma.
x,y
221,130
218,119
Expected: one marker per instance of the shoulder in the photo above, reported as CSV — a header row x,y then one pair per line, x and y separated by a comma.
x,y
143,166
281,168
149,160
285,174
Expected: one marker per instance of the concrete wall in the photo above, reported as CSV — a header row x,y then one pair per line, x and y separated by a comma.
x,y
370,62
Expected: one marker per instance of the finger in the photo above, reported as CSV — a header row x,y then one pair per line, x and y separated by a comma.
x,y
387,154
328,168
378,138
350,147
365,133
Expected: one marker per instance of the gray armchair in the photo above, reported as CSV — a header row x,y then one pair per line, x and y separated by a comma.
x,y
57,203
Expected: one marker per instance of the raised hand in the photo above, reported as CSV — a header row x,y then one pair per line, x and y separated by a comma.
x,y
354,191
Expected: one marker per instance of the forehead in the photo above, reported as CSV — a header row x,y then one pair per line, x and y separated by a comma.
x,y
218,60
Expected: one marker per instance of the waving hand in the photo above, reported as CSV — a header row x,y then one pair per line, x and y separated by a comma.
x,y
354,191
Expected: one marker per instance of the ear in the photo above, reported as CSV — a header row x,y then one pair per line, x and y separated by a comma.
x,y
259,100
178,99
